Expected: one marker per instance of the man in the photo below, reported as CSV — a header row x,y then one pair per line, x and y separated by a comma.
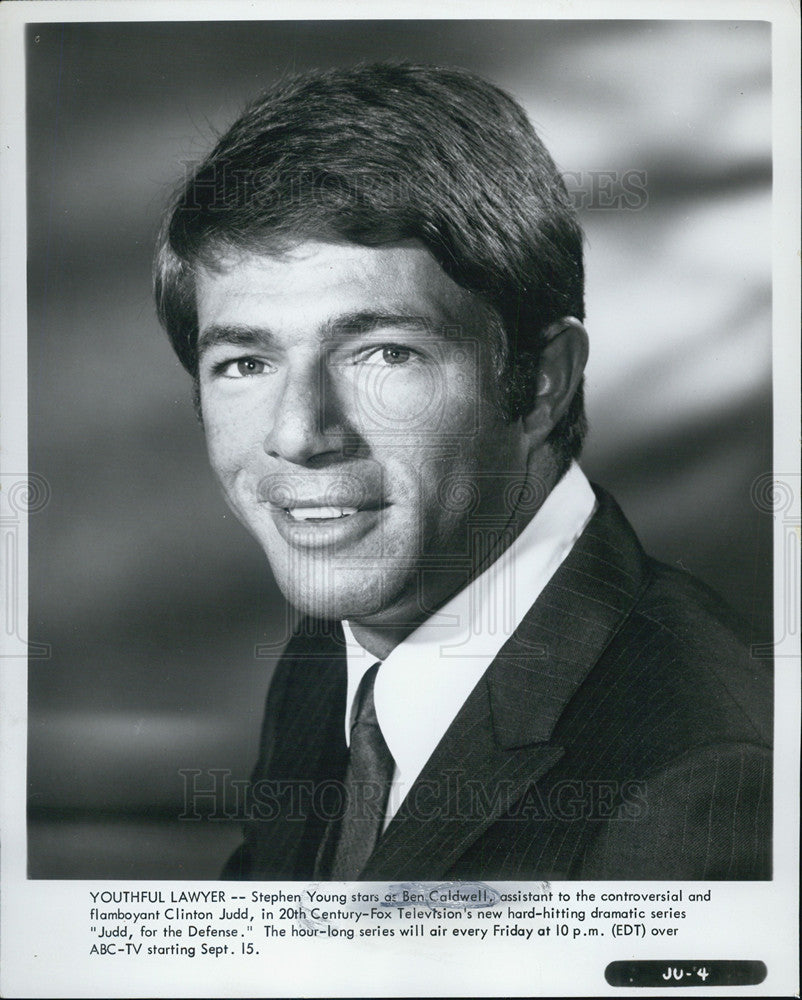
x,y
376,282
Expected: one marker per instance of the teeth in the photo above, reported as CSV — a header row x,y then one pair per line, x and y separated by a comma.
x,y
320,513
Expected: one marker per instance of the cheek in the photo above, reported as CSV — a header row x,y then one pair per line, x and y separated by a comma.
x,y
232,437
220,448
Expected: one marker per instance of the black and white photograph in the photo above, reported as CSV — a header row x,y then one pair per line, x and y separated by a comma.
x,y
408,499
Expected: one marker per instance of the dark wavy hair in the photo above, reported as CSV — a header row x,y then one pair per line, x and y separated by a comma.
x,y
375,154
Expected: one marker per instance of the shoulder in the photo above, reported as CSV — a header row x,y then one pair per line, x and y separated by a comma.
x,y
308,679
692,662
677,703
671,674
673,658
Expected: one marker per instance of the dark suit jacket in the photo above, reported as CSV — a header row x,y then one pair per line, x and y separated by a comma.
x,y
623,732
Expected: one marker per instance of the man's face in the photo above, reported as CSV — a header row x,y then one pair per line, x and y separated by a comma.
x,y
345,396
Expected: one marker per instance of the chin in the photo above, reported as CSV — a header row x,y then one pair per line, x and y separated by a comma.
x,y
364,599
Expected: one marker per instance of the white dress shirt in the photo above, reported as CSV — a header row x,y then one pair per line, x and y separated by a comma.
x,y
425,679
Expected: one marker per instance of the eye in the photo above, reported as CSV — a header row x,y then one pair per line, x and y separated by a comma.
x,y
242,367
389,354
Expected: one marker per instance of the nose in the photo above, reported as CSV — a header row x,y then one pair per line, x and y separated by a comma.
x,y
304,429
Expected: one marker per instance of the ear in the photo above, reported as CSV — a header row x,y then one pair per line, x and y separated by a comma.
x,y
562,364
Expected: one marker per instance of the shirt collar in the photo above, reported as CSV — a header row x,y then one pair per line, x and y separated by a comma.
x,y
424,681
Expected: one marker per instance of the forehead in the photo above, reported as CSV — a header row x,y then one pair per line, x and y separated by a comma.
x,y
313,282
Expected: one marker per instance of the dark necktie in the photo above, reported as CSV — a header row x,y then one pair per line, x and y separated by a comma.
x,y
366,789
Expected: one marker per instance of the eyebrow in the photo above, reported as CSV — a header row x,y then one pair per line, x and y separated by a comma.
x,y
364,321
367,321
234,336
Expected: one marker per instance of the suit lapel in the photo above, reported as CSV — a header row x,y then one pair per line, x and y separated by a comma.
x,y
503,738
467,783
311,750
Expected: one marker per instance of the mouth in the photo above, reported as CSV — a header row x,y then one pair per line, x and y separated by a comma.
x,y
319,513
310,524
324,512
